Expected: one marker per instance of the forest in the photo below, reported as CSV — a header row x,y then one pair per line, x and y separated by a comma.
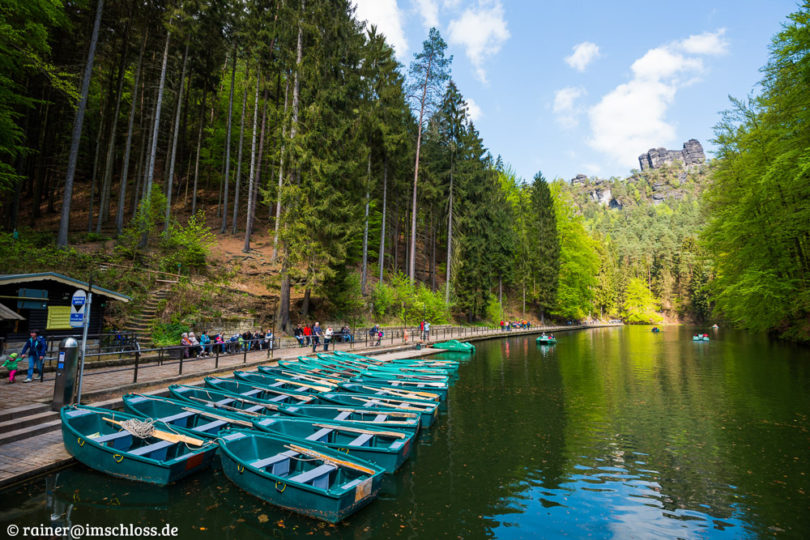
x,y
160,127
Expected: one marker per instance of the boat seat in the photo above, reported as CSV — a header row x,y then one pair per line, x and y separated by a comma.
x,y
351,484
380,418
155,451
321,435
280,463
362,440
252,392
120,440
175,418
211,427
280,397
255,408
317,477
343,415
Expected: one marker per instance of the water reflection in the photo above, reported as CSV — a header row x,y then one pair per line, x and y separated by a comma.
x,y
610,433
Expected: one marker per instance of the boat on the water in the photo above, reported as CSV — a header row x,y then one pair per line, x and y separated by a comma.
x,y
704,337
546,340
308,479
201,420
224,401
102,439
428,410
377,416
388,390
455,346
254,389
283,383
385,446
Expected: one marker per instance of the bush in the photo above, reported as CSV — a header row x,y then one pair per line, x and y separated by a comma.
x,y
494,311
167,334
409,302
187,246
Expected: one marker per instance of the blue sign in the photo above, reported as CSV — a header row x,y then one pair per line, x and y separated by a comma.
x,y
77,309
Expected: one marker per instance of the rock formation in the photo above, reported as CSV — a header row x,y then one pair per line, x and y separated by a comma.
x,y
692,154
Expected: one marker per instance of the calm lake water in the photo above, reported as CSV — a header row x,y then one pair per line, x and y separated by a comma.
x,y
613,432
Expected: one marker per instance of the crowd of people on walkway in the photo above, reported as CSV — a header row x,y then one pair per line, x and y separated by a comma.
x,y
307,335
507,326
208,344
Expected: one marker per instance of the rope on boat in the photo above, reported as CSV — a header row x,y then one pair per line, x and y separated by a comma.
x,y
142,429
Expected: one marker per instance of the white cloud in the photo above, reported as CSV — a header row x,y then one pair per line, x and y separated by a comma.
x,y
481,30
473,110
584,53
386,15
429,10
633,116
565,108
705,43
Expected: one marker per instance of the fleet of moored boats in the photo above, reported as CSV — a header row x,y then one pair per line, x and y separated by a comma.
x,y
313,435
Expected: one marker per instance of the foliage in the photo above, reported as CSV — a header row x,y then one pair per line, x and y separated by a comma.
x,y
168,334
408,302
494,311
639,304
759,224
187,246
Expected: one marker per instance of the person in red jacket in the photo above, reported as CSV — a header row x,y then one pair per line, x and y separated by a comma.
x,y
307,333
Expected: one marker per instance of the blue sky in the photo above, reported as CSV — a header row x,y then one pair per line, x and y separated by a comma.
x,y
568,87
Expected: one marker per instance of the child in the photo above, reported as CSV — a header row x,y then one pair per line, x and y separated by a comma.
x,y
11,364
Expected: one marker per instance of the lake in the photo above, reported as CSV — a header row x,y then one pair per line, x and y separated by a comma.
x,y
613,432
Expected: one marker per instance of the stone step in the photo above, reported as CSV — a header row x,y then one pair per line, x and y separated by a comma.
x,y
30,431
25,410
26,421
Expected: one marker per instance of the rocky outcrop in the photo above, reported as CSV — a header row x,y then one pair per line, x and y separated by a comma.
x,y
692,154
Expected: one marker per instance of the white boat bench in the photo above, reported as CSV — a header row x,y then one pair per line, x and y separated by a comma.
x,y
362,440
321,435
280,463
155,451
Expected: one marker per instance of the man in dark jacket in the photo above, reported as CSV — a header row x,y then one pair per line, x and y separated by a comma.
x,y
35,348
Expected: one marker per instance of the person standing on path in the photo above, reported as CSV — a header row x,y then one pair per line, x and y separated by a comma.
x,y
327,337
307,334
316,336
35,348
427,331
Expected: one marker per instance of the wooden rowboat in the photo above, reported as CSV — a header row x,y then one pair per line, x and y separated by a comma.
x,y
95,437
308,479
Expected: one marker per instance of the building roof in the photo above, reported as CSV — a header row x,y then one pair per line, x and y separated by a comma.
x,y
10,279
7,314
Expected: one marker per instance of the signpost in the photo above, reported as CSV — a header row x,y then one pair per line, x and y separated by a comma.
x,y
80,318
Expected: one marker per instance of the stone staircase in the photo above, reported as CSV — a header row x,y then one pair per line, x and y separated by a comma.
x,y
28,421
141,323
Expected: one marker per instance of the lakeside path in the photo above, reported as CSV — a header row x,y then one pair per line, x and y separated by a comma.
x,y
34,446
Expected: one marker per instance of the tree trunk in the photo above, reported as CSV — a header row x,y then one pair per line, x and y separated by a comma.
x,y
412,251
251,174
395,241
364,274
122,190
224,225
170,177
106,184
253,192
64,224
381,256
432,257
305,303
449,238
150,171
92,178
238,178
285,270
197,159
281,170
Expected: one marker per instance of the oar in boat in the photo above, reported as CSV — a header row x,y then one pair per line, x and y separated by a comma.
x,y
401,393
330,459
396,434
372,411
312,378
165,435
225,407
298,383
391,402
218,417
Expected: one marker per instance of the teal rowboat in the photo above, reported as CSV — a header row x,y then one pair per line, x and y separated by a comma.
x,y
94,438
308,479
437,388
378,417
385,390
546,340
282,383
202,421
224,401
386,447
700,338
257,390
428,410
454,345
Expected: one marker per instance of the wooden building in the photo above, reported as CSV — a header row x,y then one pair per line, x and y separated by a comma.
x,y
43,302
